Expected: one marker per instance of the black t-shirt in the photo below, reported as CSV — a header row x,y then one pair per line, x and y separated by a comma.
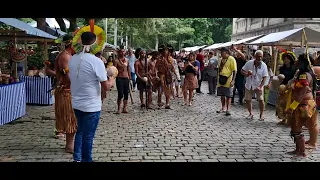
x,y
287,72
189,69
240,64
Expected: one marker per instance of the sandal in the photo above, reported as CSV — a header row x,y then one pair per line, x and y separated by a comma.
x,y
250,117
221,111
261,119
228,113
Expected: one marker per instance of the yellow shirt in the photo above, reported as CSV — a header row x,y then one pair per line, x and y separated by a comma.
x,y
228,68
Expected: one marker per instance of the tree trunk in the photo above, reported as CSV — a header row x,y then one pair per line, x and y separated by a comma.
x,y
157,42
62,24
41,23
73,24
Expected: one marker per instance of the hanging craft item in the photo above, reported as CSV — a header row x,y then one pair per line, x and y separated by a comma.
x,y
15,54
97,45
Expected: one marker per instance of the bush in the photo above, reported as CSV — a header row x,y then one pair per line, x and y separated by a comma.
x,y
36,61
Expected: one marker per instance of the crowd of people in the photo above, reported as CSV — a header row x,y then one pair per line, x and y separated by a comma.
x,y
83,79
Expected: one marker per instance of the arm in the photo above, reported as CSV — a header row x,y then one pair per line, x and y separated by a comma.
x,y
101,74
128,68
234,69
264,77
301,87
49,71
243,57
245,69
137,70
64,66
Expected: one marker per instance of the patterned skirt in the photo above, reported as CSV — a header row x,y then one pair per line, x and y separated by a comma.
x,y
190,82
65,118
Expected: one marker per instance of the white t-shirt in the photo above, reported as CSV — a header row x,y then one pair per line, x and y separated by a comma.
x,y
253,81
85,77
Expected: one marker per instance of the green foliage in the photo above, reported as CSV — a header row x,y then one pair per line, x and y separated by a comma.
x,y
37,59
151,32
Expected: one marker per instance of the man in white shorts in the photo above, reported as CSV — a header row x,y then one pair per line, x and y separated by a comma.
x,y
256,72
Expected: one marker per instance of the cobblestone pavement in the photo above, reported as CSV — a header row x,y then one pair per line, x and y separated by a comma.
x,y
185,134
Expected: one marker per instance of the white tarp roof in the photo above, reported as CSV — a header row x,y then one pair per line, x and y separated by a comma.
x,y
213,46
26,28
293,37
248,40
227,44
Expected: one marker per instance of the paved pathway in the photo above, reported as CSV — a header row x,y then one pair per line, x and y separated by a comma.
x,y
185,134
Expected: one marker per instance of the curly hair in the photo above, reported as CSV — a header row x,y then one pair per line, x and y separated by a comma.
x,y
305,67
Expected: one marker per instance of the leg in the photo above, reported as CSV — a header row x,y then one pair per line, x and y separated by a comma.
x,y
210,84
266,97
149,98
198,90
126,96
296,133
240,89
177,88
119,85
133,77
261,103
141,98
90,124
248,98
313,129
228,104
77,155
220,92
214,85
185,95
160,96
190,96
234,93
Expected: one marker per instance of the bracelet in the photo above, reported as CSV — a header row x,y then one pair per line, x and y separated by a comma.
x,y
294,105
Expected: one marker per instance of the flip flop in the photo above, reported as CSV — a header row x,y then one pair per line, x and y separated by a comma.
x,y
250,117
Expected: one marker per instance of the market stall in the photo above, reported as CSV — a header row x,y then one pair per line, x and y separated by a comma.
x,y
287,39
37,88
12,102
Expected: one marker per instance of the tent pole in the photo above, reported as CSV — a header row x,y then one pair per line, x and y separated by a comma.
x,y
275,56
26,61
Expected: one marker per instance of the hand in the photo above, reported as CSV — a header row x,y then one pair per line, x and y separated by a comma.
x,y
259,88
232,83
111,78
189,63
289,111
157,77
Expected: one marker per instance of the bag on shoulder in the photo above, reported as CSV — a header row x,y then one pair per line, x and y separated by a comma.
x,y
223,79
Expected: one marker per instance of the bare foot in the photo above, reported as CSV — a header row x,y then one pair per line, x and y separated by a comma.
x,y
118,112
124,111
309,146
69,150
292,152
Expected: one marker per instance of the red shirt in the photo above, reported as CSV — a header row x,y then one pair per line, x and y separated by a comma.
x,y
200,58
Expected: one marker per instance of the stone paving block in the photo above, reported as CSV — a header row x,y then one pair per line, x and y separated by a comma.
x,y
161,135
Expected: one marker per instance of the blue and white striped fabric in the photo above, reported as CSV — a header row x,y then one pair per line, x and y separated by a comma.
x,y
12,102
37,90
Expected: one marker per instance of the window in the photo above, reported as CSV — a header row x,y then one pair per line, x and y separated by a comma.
x,y
255,20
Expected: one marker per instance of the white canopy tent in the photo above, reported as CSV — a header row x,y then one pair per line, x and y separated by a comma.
x,y
194,48
213,46
291,37
248,40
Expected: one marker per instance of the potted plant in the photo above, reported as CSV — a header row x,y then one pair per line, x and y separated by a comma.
x,y
36,60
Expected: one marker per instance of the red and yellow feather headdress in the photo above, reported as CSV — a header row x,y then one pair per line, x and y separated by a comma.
x,y
98,31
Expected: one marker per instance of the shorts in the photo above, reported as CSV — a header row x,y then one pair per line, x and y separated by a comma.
x,y
224,91
249,94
